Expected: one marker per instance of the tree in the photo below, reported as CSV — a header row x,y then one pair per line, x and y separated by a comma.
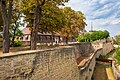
x,y
117,56
6,10
52,21
84,37
75,23
92,36
16,24
117,39
1,23
35,7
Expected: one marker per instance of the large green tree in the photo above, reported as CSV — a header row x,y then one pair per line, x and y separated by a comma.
x,y
1,23
75,23
117,39
92,36
35,7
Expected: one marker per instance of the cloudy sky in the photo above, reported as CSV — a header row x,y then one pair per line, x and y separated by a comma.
x,y
103,14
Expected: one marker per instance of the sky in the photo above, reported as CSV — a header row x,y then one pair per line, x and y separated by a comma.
x,y
103,14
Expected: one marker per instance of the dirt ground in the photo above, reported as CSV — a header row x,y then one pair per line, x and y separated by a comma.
x,y
103,72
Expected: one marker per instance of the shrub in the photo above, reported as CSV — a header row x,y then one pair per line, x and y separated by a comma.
x,y
17,43
117,56
104,56
1,39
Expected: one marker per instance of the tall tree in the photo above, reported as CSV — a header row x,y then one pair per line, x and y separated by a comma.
x,y
1,23
6,10
52,21
36,7
75,23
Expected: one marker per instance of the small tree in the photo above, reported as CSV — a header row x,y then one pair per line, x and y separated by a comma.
x,y
16,24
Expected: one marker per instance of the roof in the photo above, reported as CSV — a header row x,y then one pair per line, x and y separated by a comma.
x,y
26,31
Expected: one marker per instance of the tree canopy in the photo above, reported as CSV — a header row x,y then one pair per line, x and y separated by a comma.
x,y
92,36
117,39
43,16
74,23
1,23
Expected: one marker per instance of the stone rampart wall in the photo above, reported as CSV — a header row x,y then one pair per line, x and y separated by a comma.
x,y
107,47
52,64
87,70
115,71
82,49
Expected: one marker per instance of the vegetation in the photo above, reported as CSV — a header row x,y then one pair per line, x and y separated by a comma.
x,y
43,16
37,8
1,23
15,25
6,11
117,56
92,36
104,56
17,43
117,39
75,23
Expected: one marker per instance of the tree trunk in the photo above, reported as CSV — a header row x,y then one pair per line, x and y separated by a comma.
x,y
6,15
36,22
52,40
13,37
66,40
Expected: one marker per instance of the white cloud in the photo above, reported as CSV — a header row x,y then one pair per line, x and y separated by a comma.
x,y
105,14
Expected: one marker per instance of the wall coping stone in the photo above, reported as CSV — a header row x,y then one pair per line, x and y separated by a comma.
x,y
32,51
89,59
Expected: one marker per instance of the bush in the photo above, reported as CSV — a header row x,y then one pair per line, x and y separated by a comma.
x,y
1,39
17,43
117,56
104,56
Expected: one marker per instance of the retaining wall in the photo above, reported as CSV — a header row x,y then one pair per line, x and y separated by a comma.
x,y
87,70
52,64
82,49
116,71
107,47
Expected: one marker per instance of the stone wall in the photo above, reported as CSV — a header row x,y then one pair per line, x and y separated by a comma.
x,y
107,47
87,70
82,49
52,64
116,71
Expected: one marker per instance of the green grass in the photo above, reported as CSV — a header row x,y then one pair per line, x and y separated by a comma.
x,y
117,56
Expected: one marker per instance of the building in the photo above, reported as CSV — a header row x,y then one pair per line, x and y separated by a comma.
x,y
43,38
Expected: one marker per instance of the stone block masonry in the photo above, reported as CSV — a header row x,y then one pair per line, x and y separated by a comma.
x,y
52,64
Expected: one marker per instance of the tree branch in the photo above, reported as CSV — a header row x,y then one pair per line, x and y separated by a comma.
x,y
10,10
43,2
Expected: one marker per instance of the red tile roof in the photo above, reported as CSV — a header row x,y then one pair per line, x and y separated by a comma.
x,y
26,31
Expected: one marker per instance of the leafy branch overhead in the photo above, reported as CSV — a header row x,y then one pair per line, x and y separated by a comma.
x,y
43,16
